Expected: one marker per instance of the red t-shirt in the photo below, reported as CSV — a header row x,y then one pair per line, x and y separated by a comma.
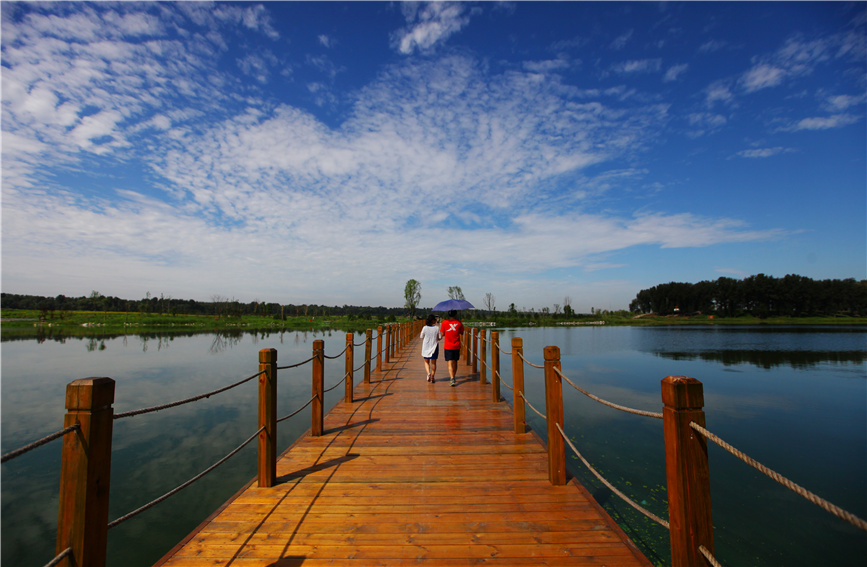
x,y
452,329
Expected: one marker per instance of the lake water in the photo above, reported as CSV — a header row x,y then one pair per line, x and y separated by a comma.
x,y
793,398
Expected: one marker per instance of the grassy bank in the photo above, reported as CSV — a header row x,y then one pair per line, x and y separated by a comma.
x,y
23,323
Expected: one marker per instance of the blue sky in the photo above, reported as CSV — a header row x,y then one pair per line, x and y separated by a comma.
x,y
327,152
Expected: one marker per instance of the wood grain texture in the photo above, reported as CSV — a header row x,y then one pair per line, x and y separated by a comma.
x,y
411,473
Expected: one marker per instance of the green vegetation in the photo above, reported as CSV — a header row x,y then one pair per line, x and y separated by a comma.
x,y
760,296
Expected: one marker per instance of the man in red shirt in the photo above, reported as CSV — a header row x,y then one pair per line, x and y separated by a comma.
x,y
452,331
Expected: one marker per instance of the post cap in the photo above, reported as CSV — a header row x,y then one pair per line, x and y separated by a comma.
x,y
682,392
90,394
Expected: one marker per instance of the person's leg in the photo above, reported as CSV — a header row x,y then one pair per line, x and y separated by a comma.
x,y
453,370
427,367
433,368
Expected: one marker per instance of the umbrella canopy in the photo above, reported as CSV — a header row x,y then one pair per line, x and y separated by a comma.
x,y
456,304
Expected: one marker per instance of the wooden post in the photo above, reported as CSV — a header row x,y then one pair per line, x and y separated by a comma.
x,y
554,413
268,417
466,344
85,472
686,469
387,343
318,387
368,343
495,365
518,384
348,383
483,357
379,348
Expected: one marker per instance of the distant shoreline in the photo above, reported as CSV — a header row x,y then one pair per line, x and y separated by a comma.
x,y
23,324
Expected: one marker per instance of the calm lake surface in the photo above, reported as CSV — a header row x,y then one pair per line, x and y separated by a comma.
x,y
794,398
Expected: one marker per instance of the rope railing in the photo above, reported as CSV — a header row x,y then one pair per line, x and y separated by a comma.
x,y
656,415
503,382
185,401
174,491
709,556
530,363
63,555
296,412
610,486
797,489
30,446
526,401
337,355
342,380
296,365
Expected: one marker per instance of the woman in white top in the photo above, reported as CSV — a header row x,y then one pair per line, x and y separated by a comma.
x,y
430,335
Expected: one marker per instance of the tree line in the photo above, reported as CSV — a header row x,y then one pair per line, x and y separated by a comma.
x,y
219,306
759,295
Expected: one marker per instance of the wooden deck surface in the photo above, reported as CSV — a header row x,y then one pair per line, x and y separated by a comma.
x,y
411,473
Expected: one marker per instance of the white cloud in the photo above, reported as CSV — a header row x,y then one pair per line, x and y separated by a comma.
x,y
824,122
674,72
763,152
432,24
639,66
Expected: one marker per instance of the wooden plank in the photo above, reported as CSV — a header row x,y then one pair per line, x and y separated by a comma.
x,y
410,473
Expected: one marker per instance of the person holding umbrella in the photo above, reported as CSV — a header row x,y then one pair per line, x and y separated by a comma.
x,y
430,336
452,330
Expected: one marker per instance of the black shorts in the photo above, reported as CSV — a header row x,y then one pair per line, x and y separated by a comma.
x,y
451,354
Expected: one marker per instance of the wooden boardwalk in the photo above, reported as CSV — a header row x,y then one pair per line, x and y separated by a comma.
x,y
411,473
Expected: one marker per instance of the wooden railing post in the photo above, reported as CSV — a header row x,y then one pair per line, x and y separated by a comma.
x,y
348,383
483,357
495,365
268,417
686,469
518,384
85,472
475,356
318,387
379,348
387,344
466,344
368,342
554,415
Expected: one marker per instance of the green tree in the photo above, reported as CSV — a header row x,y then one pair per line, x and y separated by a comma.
x,y
412,294
456,293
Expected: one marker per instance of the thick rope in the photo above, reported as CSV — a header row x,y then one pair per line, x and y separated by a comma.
x,y
503,382
342,380
363,364
47,439
506,352
607,403
63,554
296,365
625,498
138,511
337,355
186,401
297,411
530,363
817,500
709,556
540,414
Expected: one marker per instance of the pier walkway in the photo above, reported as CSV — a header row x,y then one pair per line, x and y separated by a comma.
x,y
411,473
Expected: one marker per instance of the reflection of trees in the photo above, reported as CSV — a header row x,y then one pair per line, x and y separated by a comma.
x,y
225,340
768,359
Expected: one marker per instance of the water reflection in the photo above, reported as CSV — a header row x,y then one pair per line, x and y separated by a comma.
x,y
768,359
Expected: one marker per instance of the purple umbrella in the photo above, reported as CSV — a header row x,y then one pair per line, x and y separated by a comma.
x,y
456,304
